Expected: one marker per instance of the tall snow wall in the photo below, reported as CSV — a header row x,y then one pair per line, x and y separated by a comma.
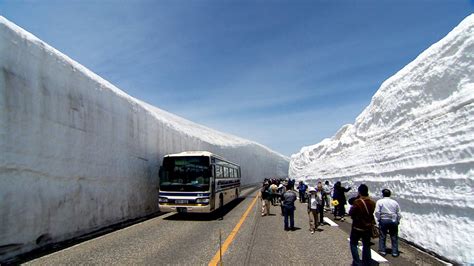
x,y
416,138
78,154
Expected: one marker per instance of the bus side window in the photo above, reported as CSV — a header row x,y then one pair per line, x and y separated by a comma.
x,y
226,172
218,171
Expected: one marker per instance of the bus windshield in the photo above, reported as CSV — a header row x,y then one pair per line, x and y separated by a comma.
x,y
190,173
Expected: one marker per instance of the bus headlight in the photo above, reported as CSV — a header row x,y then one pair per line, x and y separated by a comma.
x,y
162,200
202,201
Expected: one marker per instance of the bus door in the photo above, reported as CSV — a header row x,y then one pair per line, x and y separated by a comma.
x,y
212,184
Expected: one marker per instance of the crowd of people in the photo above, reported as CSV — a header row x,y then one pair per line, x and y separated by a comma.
x,y
367,215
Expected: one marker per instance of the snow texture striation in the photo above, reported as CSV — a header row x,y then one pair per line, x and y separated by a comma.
x,y
78,154
416,138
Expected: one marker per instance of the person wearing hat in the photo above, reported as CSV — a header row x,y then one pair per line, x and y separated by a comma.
x,y
387,212
314,202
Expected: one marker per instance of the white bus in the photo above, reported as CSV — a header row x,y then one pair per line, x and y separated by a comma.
x,y
197,181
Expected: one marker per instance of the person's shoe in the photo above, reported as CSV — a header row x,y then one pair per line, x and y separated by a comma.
x,y
312,231
395,255
287,229
343,219
383,253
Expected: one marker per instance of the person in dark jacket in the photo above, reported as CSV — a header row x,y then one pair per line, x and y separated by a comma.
x,y
302,187
265,196
362,214
288,203
339,194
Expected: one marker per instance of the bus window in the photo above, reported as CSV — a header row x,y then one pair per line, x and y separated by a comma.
x,y
218,171
185,174
226,172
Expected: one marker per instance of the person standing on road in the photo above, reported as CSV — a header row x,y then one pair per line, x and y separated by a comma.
x,y
273,189
327,195
265,196
362,213
387,212
288,203
339,194
281,191
302,187
320,195
313,210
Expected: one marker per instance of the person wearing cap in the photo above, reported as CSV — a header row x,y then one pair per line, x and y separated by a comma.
x,y
387,212
313,209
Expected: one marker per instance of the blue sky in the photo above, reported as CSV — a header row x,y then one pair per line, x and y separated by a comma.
x,y
286,74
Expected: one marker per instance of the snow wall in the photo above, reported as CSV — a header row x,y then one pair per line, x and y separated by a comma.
x,y
416,138
78,154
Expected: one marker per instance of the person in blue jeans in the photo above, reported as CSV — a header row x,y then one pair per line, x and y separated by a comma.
x,y
288,203
387,212
302,187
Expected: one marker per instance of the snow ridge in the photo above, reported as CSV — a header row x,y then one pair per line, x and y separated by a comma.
x,y
416,138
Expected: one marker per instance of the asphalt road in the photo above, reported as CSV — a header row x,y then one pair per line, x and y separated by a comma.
x,y
174,239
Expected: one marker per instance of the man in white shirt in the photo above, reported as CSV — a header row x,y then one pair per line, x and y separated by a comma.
x,y
387,214
327,195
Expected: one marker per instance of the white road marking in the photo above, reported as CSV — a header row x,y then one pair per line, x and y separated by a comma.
x,y
329,221
375,256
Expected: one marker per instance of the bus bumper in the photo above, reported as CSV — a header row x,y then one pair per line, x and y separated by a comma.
x,y
198,208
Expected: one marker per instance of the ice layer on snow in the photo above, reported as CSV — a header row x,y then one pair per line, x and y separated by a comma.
x,y
78,154
416,138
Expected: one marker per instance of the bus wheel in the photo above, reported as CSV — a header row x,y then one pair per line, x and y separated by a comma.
x,y
236,193
221,201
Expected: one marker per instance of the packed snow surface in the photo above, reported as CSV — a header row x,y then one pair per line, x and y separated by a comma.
x,y
416,138
78,154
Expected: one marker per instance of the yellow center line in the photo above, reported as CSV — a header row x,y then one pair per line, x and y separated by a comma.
x,y
232,234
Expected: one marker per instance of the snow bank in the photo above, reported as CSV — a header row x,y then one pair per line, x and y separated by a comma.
x,y
416,138
77,153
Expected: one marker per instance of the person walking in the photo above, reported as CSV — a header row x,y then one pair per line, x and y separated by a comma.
x,y
387,213
288,203
339,194
313,203
265,196
362,214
